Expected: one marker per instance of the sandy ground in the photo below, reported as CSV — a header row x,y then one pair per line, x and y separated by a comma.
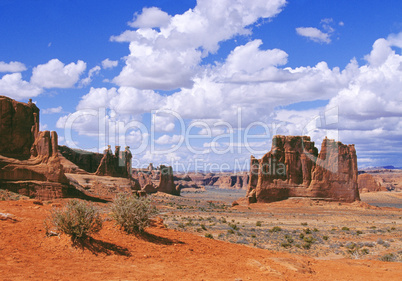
x,y
26,253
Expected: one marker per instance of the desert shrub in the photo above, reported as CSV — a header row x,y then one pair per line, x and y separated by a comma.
x,y
325,237
304,223
258,223
203,227
350,245
308,239
359,232
209,235
234,226
77,219
307,230
386,244
387,257
275,229
231,231
345,228
365,251
132,213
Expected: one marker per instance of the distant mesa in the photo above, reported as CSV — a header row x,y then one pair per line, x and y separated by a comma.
x,y
294,168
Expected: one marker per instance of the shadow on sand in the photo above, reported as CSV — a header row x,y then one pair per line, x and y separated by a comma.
x,y
96,247
152,238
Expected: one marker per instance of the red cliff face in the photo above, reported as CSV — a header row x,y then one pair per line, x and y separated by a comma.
x,y
368,183
293,168
29,162
166,182
19,125
115,165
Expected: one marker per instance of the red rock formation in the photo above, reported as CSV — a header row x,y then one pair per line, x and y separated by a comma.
x,y
115,165
19,124
367,183
85,160
221,180
166,183
29,161
293,168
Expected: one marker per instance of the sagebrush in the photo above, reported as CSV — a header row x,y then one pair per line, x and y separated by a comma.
x,y
132,213
77,219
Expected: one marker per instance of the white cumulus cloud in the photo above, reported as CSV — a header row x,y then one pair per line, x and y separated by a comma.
x,y
13,86
314,34
107,63
150,17
54,74
52,110
169,58
13,66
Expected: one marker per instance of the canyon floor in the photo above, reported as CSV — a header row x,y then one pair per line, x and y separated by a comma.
x,y
296,239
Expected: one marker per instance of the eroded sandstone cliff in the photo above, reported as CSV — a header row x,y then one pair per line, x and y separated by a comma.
x,y
29,162
293,168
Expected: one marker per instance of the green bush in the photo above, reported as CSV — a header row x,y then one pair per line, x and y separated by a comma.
x,y
231,231
275,229
387,257
209,235
258,223
77,219
132,213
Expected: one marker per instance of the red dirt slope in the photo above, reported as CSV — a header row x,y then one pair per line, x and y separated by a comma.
x,y
161,254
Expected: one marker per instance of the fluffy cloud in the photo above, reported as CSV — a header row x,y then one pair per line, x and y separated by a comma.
x,y
317,35
314,34
107,63
54,74
166,139
150,17
248,86
93,71
13,66
168,59
13,86
52,110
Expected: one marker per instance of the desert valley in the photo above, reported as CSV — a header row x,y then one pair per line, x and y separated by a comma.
x,y
247,226
200,140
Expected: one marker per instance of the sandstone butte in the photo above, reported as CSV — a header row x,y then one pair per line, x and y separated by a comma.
x,y
30,162
294,168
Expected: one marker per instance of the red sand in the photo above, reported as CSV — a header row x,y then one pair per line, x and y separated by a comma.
x,y
161,254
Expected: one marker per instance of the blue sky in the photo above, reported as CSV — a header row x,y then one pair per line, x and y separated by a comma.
x,y
193,82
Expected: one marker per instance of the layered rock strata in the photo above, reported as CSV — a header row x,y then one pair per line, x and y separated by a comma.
x,y
29,162
294,168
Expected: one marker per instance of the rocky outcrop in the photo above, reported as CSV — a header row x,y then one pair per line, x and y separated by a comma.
x,y
166,183
367,183
293,168
19,125
117,164
85,160
220,180
29,162
232,181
